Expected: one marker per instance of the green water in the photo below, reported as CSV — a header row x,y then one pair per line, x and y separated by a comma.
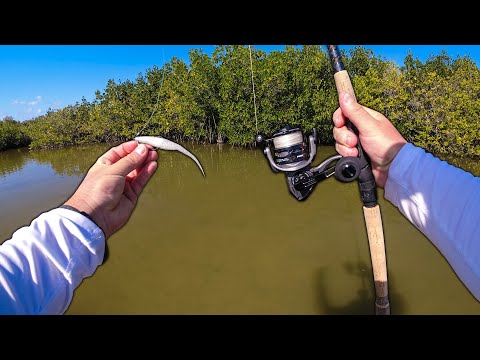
x,y
236,241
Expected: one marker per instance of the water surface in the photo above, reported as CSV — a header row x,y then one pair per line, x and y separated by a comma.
x,y
236,241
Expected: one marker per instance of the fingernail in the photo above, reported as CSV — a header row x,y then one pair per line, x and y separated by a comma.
x,y
347,98
141,149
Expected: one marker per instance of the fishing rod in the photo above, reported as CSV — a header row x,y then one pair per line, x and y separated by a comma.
x,y
292,156
367,187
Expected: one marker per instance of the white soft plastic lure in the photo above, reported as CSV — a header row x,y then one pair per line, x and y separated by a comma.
x,y
164,144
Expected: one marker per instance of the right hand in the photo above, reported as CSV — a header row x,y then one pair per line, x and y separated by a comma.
x,y
379,138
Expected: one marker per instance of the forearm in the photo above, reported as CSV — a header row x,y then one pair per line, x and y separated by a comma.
x,y
43,263
443,202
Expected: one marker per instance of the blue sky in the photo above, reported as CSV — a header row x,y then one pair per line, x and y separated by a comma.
x,y
34,78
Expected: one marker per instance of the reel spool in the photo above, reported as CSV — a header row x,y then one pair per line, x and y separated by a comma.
x,y
290,150
289,146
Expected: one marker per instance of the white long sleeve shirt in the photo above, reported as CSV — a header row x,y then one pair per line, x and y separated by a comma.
x,y
443,202
43,263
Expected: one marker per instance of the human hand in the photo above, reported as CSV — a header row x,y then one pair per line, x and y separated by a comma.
x,y
110,190
379,138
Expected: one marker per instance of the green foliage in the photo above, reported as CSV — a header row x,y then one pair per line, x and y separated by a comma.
x,y
434,104
236,110
12,134
204,86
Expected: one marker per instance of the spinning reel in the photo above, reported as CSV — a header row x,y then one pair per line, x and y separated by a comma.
x,y
291,155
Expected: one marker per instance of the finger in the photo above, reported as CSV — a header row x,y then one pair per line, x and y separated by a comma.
x,y
356,113
372,112
131,161
141,180
118,152
345,137
338,118
152,156
346,151
375,114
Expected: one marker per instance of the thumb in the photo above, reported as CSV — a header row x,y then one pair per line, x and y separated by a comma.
x,y
355,112
131,162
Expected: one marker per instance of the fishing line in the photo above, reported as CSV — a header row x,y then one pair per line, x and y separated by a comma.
x,y
288,140
158,142
158,96
253,87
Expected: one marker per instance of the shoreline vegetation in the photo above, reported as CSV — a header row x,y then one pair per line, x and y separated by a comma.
x,y
434,104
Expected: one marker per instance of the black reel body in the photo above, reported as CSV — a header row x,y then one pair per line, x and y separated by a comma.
x,y
292,156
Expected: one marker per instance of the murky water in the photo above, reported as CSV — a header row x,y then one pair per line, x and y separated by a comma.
x,y
235,242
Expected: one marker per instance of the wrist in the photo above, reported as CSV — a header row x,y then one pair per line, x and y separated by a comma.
x,y
72,208
384,169
84,208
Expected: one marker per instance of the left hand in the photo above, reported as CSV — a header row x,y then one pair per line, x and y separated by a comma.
x,y
110,190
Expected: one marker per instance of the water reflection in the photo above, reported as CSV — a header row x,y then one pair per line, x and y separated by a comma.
x,y
361,301
12,161
70,161
32,182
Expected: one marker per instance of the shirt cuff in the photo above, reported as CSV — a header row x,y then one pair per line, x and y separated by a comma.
x,y
400,165
96,241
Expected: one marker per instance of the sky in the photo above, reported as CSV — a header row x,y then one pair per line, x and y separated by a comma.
x,y
34,78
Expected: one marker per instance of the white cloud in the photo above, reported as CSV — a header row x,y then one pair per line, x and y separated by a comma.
x,y
33,102
36,101
29,108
